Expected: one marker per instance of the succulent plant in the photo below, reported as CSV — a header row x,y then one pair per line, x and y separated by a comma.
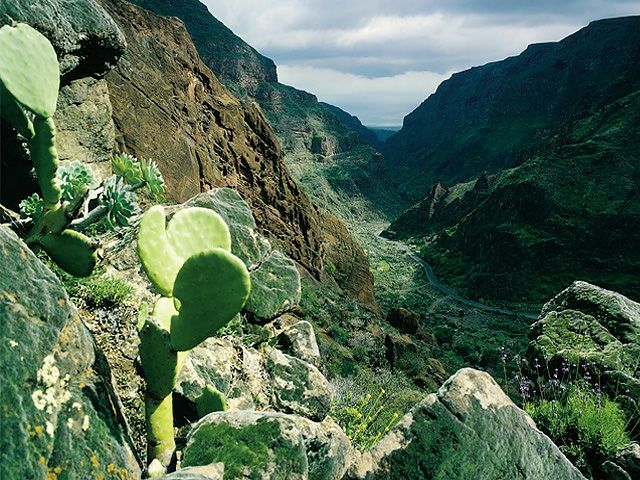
x,y
121,203
204,286
139,172
75,179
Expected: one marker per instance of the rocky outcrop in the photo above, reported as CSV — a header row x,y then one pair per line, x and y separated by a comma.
x,y
269,445
58,409
85,37
469,429
597,330
404,320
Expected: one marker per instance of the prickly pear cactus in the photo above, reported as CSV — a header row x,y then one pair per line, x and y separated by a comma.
x,y
204,286
29,69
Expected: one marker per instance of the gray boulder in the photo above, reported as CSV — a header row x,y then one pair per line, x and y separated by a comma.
x,y
299,340
468,429
269,445
58,410
275,286
85,37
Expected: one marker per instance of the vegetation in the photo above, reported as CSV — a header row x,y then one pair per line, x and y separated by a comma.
x,y
368,404
189,261
100,290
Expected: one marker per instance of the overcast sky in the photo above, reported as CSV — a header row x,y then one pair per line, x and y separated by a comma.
x,y
378,59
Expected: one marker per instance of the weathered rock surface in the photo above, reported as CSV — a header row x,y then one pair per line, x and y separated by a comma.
x,y
214,471
58,411
84,124
84,36
299,340
251,378
168,106
468,429
269,445
597,328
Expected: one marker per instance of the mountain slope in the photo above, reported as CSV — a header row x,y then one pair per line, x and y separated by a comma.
x,y
572,212
496,116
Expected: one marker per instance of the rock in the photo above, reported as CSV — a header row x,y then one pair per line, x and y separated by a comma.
x,y
468,429
85,37
404,320
214,471
260,445
590,326
328,449
299,340
58,409
275,281
84,124
275,287
399,347
298,387
263,378
629,459
618,314
269,445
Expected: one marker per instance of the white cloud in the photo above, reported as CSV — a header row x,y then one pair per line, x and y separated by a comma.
x,y
376,101
376,44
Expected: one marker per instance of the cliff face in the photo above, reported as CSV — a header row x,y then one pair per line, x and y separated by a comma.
x,y
310,132
496,116
168,106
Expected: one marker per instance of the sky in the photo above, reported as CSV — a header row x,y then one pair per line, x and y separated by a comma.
x,y
379,59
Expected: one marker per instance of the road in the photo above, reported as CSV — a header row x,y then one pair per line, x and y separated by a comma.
x,y
453,294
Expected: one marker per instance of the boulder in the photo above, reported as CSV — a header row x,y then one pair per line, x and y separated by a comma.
x,y
595,328
85,37
269,445
59,412
214,471
404,320
258,445
262,378
297,386
275,281
299,340
468,429
399,347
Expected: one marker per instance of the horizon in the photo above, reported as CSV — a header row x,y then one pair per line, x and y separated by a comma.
x,y
379,61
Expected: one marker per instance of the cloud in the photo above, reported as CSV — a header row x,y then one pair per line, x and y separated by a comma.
x,y
380,101
359,40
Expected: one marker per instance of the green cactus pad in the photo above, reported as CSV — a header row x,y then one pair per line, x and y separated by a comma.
x,y
164,248
45,159
13,113
194,230
159,359
29,68
210,400
158,258
71,251
212,287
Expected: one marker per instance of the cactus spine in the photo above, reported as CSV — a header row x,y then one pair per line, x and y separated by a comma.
x,y
29,83
204,286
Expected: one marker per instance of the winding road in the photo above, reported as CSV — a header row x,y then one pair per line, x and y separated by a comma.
x,y
453,294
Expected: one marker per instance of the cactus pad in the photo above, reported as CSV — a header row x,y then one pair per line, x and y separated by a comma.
x,y
70,250
29,68
212,288
163,249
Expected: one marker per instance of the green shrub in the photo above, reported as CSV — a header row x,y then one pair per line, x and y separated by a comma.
x,y
100,290
588,427
368,404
